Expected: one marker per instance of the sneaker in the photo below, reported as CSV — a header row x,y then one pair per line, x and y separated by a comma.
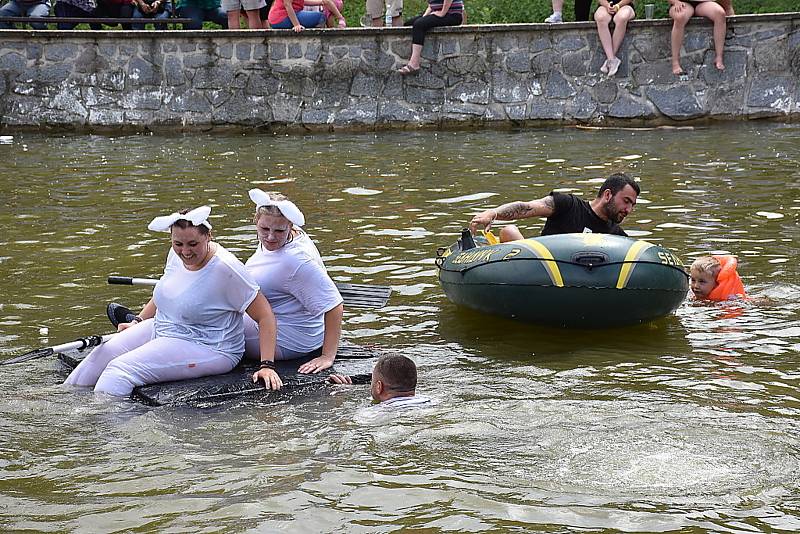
x,y
613,66
117,313
554,18
604,67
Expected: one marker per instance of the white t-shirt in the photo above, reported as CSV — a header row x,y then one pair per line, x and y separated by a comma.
x,y
205,306
297,286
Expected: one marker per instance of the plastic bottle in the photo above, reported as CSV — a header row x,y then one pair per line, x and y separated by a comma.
x,y
388,15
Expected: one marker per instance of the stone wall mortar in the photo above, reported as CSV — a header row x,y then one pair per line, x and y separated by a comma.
x,y
517,74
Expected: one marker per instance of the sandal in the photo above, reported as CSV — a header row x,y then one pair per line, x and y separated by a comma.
x,y
408,70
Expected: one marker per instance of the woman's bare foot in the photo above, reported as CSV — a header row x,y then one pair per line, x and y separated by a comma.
x,y
719,64
677,70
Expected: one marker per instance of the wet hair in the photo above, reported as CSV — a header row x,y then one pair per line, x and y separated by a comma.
x,y
616,183
397,372
707,264
270,210
183,223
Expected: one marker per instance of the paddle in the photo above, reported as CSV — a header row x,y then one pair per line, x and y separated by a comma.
x,y
354,295
79,344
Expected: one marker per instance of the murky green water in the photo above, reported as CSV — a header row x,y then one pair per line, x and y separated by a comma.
x,y
687,424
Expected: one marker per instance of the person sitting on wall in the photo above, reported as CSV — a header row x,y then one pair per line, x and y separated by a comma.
x,y
251,8
25,8
74,9
393,382
438,13
289,14
621,12
332,20
681,12
113,9
376,15
152,10
568,213
582,8
201,11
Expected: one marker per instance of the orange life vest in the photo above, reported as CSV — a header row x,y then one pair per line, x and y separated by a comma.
x,y
728,282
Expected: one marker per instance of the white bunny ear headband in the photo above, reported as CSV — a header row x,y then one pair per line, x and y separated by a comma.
x,y
198,216
287,207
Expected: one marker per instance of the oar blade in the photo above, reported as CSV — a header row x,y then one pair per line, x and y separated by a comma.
x,y
364,295
31,355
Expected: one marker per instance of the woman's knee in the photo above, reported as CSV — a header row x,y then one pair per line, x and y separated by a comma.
x,y
602,16
115,380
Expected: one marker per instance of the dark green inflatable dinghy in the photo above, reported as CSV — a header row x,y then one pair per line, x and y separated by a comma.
x,y
571,280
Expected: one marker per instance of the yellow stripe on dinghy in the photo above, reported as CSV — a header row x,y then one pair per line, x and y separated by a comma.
x,y
634,253
550,265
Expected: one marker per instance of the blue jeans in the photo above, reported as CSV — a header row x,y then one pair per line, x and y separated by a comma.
x,y
308,19
13,9
198,15
152,18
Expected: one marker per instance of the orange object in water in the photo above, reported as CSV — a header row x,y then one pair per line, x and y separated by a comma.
x,y
728,282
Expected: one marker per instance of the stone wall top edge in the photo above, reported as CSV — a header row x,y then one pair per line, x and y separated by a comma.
x,y
349,32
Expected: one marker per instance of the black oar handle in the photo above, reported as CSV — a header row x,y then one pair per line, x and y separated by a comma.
x,y
120,280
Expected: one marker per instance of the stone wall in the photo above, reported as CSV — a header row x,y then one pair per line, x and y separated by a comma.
x,y
325,79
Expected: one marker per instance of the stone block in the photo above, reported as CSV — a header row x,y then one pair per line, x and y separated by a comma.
x,y
143,73
285,109
313,51
507,87
626,107
190,101
678,102
168,47
578,63
217,77
294,51
537,45
449,47
198,60
13,63
395,112
545,61
88,61
141,99
365,85
225,51
772,91
558,87
106,117
219,97
605,91
469,91
518,61
52,75
362,111
259,84
545,109
775,58
61,52
243,109
421,95
33,51
173,71
653,73
317,117
111,80
568,42
582,107
96,97
260,52
735,73
454,110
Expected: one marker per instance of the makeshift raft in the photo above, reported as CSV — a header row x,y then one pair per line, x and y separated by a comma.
x,y
571,280
238,383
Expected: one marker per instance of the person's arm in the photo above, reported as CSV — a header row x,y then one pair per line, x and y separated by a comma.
x,y
261,313
147,312
330,342
544,207
296,26
445,8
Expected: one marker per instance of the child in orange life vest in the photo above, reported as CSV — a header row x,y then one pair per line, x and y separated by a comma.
x,y
715,278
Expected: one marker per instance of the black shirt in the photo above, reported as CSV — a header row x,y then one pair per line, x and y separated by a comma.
x,y
572,214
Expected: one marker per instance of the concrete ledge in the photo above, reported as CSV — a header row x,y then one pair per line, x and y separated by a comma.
x,y
472,76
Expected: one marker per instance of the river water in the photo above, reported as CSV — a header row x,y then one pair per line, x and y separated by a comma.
x,y
690,423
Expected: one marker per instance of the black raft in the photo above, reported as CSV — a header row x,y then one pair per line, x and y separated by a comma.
x,y
238,383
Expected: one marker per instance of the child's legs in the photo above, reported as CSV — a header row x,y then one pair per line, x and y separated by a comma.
x,y
603,19
680,13
89,370
621,19
163,359
715,13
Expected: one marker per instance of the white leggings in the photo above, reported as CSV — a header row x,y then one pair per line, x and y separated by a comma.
x,y
133,358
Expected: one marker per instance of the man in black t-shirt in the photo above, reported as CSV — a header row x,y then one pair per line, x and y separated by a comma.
x,y
568,213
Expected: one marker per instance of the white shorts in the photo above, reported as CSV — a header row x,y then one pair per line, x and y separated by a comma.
x,y
247,5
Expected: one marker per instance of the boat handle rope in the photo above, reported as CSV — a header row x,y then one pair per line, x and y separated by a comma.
x,y
590,266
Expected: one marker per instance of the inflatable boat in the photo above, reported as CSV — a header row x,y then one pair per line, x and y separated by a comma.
x,y
569,280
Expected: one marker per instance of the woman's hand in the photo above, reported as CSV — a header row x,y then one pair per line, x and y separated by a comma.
x,y
320,363
269,377
124,326
297,28
440,13
340,379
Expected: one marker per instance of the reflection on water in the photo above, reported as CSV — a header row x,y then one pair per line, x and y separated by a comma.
x,y
688,423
